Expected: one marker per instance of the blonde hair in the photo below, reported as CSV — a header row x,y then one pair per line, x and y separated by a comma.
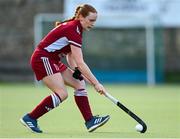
x,y
83,10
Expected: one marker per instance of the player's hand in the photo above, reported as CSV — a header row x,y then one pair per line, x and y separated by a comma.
x,y
100,88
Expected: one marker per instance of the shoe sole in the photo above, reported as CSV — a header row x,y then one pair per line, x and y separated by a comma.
x,y
99,125
24,124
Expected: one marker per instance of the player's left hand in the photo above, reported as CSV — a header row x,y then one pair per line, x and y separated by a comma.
x,y
100,88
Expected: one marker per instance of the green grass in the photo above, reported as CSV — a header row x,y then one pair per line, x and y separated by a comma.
x,y
159,107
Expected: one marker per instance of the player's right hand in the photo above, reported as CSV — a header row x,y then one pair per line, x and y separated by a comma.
x,y
100,88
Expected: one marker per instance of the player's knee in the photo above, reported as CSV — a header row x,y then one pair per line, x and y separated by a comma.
x,y
79,84
65,95
62,94
80,92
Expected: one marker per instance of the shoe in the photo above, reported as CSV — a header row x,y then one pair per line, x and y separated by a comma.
x,y
30,123
96,122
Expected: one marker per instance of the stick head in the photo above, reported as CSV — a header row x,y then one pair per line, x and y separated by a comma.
x,y
144,128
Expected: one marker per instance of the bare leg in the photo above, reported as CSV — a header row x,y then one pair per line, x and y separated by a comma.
x,y
80,94
81,99
56,84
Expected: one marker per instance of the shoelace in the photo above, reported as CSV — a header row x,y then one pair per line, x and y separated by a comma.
x,y
96,116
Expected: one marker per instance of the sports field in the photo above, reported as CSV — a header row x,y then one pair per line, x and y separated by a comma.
x,y
159,107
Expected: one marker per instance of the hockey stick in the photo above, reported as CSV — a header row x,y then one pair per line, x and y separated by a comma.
x,y
130,113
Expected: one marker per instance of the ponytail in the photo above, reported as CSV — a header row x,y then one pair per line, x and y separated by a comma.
x,y
83,10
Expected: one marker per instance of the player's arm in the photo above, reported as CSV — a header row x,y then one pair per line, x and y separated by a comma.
x,y
71,62
82,66
73,66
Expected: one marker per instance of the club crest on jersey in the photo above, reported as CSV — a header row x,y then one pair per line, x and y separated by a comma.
x,y
77,30
56,66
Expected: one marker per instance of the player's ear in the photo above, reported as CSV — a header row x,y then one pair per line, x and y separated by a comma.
x,y
80,17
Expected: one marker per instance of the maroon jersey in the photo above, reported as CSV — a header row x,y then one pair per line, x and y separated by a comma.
x,y
57,42
45,60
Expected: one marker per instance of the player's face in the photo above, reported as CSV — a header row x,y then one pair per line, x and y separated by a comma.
x,y
89,21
